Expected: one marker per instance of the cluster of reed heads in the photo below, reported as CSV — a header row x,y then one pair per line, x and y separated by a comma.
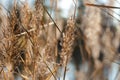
x,y
33,46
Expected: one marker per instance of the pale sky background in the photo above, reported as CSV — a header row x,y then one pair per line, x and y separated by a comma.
x,y
65,5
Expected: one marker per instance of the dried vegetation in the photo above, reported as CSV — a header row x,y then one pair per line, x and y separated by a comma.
x,y
33,46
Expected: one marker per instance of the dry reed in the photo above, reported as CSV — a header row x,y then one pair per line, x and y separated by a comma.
x,y
29,43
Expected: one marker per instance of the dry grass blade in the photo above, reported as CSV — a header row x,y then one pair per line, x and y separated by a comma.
x,y
50,70
75,8
52,19
23,33
105,6
65,68
102,6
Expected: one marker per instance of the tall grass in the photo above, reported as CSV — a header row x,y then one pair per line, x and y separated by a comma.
x,y
34,46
